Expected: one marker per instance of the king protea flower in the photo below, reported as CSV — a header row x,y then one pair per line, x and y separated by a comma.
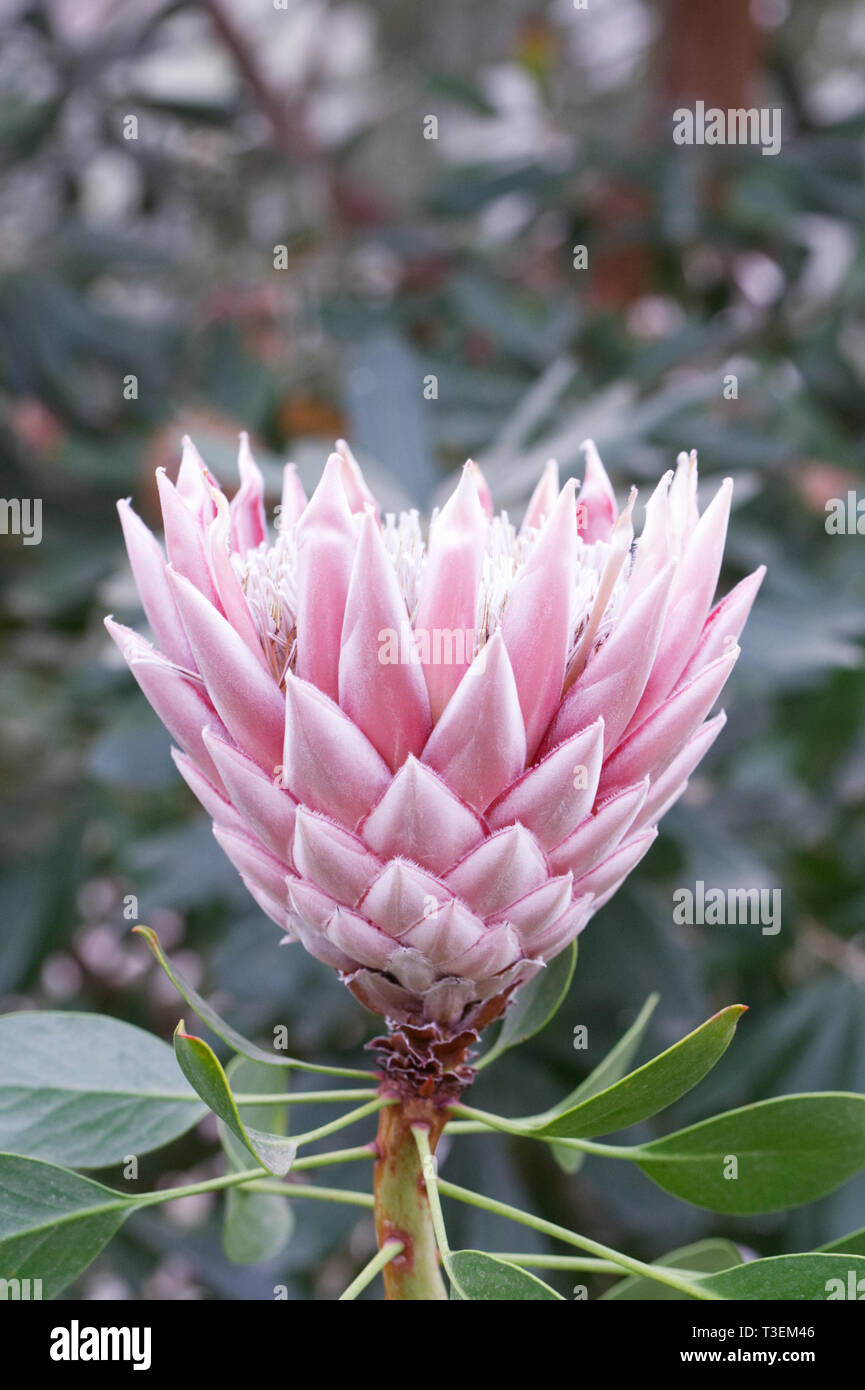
x,y
432,758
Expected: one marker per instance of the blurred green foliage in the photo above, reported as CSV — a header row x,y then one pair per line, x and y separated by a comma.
x,y
153,257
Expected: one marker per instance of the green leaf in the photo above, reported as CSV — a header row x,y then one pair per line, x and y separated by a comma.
x,y
787,1151
53,1223
608,1070
475,1276
854,1244
706,1256
223,1030
648,1090
535,1005
88,1091
808,1277
204,1071
256,1226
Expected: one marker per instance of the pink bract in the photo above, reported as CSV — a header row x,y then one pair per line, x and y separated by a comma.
x,y
432,758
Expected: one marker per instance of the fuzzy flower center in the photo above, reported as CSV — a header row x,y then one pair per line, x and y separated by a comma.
x,y
268,577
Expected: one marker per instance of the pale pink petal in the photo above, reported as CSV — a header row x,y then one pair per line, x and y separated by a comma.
x,y
597,500
669,786
387,699
248,518
615,868
401,895
690,597
336,861
543,499
356,491
312,911
552,798
516,975
653,548
499,871
419,818
178,701
253,861
478,746
293,502
540,907
383,996
359,940
230,595
326,541
615,676
412,969
497,948
601,832
148,567
549,940
724,625
195,483
216,806
445,934
684,514
184,539
274,908
328,764
265,805
485,497
445,618
655,744
247,699
447,1001
536,626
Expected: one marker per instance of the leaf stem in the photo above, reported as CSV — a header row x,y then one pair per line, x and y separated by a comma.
x,y
356,1072
170,1194
382,1257
305,1097
585,1262
430,1177
348,1119
319,1194
325,1160
592,1247
482,1120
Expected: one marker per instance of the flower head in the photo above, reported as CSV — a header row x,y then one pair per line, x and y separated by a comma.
x,y
433,757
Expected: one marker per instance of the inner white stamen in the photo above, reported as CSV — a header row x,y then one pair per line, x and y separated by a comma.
x,y
268,577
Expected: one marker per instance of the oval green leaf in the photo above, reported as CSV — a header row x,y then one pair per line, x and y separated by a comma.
x,y
764,1157
651,1088
475,1276
88,1091
813,1278
53,1223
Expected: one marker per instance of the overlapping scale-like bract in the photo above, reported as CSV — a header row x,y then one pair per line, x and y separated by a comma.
x,y
432,760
